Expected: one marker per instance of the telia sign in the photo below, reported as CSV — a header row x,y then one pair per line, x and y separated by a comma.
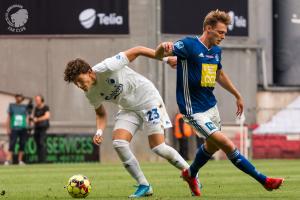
x,y
88,17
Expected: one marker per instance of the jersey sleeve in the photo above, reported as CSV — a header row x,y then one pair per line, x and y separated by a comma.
x,y
94,100
46,108
181,48
220,60
96,104
112,64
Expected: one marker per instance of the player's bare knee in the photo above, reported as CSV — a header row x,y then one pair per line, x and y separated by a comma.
x,y
122,134
222,142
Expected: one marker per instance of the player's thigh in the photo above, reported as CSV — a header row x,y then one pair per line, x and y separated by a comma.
x,y
155,118
127,124
155,128
202,124
155,134
122,134
214,115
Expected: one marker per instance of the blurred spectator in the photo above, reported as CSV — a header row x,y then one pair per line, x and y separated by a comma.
x,y
182,132
16,127
41,116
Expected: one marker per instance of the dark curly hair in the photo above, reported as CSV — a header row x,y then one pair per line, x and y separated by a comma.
x,y
74,68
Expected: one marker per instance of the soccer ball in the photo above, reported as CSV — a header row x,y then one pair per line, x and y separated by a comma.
x,y
79,186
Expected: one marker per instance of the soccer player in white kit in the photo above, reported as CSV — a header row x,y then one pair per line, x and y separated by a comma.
x,y
141,107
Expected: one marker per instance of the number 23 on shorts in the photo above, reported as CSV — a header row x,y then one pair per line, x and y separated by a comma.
x,y
153,114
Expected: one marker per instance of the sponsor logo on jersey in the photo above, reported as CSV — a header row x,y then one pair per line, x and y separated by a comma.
x,y
118,57
208,75
115,93
209,56
201,55
217,58
179,45
111,81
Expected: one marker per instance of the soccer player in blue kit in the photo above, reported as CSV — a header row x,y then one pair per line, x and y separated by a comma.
x,y
198,69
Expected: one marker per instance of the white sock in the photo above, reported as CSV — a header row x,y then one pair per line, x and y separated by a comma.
x,y
129,161
171,155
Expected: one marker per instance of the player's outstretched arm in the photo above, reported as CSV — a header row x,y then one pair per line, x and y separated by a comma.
x,y
226,83
134,52
164,49
101,120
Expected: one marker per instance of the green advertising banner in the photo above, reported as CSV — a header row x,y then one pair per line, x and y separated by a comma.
x,y
61,148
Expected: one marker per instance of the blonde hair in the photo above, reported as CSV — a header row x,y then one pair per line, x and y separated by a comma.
x,y
215,16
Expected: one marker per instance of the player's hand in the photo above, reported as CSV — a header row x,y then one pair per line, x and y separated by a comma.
x,y
168,47
35,119
172,61
97,139
240,107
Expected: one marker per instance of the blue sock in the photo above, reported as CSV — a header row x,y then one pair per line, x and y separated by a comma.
x,y
201,158
244,165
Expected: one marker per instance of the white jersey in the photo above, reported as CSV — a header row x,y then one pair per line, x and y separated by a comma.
x,y
119,84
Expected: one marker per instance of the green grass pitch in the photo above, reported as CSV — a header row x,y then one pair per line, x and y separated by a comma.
x,y
220,179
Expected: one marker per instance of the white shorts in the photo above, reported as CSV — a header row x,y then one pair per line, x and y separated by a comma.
x,y
205,123
152,120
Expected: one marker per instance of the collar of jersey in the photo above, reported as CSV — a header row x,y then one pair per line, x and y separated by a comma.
x,y
203,44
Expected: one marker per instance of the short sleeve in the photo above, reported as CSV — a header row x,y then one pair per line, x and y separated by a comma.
x,y
113,63
94,98
220,61
46,108
181,48
96,104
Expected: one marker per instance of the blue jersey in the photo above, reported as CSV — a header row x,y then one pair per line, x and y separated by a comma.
x,y
196,75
